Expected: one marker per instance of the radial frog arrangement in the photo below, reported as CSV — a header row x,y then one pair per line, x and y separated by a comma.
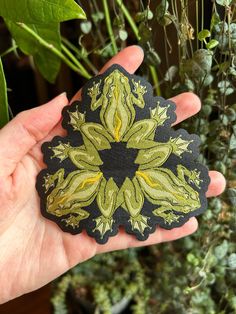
x,y
121,163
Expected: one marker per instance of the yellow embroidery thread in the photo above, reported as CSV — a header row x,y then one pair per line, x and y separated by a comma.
x,y
147,179
91,180
118,127
153,185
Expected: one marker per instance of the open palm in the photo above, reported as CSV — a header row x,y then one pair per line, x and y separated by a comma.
x,y
33,250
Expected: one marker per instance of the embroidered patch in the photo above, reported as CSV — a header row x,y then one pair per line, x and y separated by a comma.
x,y
121,163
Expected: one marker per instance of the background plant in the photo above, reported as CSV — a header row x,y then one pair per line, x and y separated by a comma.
x,y
195,274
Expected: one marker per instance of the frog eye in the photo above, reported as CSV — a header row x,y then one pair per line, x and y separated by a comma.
x,y
122,80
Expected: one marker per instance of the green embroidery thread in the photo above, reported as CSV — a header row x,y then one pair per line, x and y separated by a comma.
x,y
173,194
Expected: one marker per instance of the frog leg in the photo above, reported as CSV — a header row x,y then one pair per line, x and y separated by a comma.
x,y
97,135
61,151
94,92
49,180
83,158
139,90
140,223
76,215
106,201
167,214
76,119
141,134
153,157
160,114
193,175
131,198
179,146
103,224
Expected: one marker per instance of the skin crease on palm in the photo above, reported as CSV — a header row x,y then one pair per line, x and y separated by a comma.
x,y
33,250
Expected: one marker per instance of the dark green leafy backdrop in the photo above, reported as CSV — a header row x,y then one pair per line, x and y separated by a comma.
x,y
189,46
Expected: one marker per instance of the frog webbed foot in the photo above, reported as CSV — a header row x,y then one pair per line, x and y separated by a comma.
x,y
179,145
94,91
140,223
61,151
160,114
103,224
50,179
195,178
168,216
74,220
48,182
139,90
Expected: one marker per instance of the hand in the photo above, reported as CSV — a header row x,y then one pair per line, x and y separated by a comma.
x,y
33,250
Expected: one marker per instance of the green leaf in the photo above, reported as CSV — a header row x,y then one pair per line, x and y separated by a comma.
x,y
149,14
220,166
210,278
144,15
225,87
231,114
203,34
221,250
232,143
224,2
45,60
171,73
212,44
232,261
207,110
208,79
199,66
162,14
216,204
231,193
232,71
215,20
39,12
86,27
192,259
123,34
232,301
4,115
97,17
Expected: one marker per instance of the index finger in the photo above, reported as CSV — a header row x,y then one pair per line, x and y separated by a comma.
x,y
129,58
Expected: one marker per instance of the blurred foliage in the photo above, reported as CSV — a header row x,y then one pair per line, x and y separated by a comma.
x,y
197,274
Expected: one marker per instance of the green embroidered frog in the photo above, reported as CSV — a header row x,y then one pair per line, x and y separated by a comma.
x,y
172,193
117,100
71,194
77,195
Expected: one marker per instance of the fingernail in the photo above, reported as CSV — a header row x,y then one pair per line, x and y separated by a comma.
x,y
62,94
141,48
